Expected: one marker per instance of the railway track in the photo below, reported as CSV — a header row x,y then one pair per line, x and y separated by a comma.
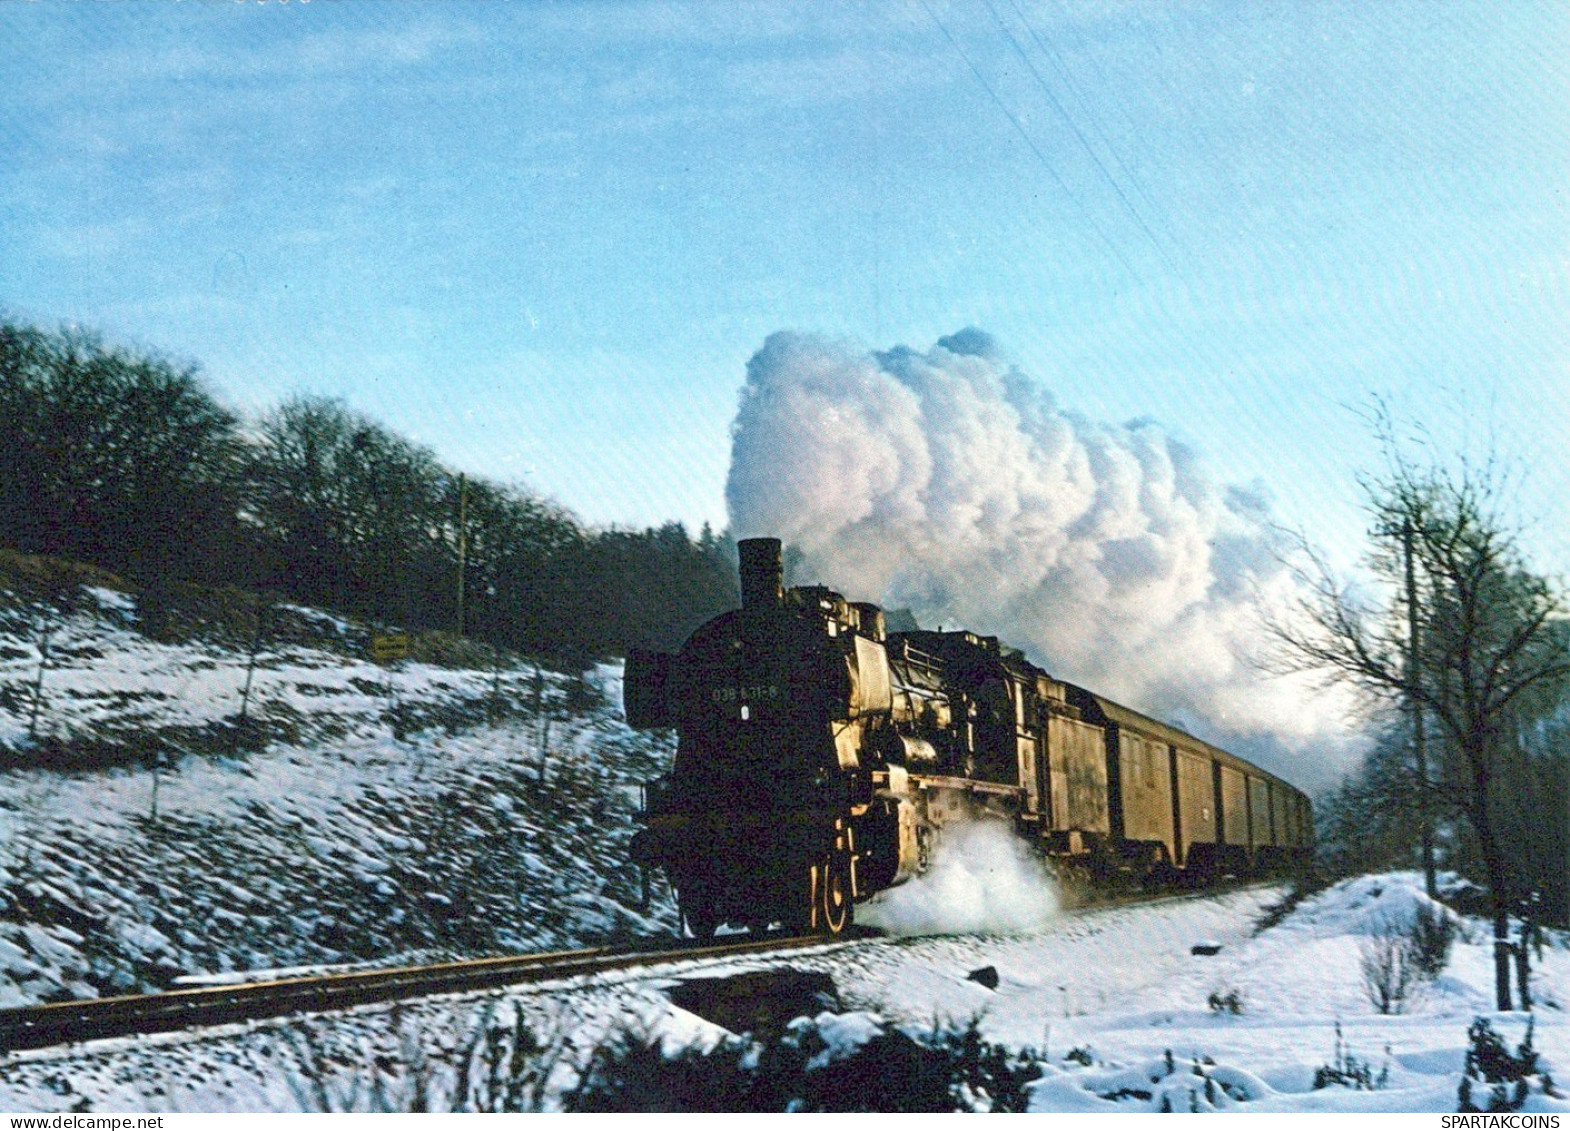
x,y
59,1023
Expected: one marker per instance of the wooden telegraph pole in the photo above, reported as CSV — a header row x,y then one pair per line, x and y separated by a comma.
x,y
1419,744
463,540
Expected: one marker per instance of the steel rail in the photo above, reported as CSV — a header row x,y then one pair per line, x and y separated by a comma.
x,y
60,1023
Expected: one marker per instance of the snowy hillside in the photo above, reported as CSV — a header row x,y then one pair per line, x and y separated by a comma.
x,y
364,813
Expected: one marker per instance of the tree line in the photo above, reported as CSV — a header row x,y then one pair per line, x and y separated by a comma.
x,y
126,460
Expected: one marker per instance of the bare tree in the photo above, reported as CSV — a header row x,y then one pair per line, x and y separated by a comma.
x,y
1387,960
355,511
113,456
1491,637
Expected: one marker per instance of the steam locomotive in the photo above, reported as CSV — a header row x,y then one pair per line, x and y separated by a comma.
x,y
820,756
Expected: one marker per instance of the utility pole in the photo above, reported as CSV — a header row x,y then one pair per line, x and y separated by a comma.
x,y
43,665
463,540
263,614
1420,751
158,760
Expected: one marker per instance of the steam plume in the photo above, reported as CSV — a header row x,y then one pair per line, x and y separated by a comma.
x,y
951,483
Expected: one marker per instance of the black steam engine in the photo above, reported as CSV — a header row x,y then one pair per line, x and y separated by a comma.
x,y
820,757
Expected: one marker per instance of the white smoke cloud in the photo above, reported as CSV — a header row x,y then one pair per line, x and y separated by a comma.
x,y
983,879
951,483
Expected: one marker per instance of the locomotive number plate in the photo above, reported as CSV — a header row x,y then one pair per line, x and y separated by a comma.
x,y
747,693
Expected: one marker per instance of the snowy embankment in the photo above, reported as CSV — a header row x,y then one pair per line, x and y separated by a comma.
x,y
402,812
1130,1017
1297,989
1113,1002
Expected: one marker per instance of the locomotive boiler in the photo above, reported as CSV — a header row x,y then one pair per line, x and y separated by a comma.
x,y
819,757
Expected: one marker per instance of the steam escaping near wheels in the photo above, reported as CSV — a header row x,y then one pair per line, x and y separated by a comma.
x,y
984,879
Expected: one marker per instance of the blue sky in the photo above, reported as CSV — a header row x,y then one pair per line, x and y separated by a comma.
x,y
545,239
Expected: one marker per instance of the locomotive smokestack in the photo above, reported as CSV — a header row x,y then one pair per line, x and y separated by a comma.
x,y
762,575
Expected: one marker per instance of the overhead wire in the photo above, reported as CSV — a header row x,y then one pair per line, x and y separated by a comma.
x,y
1065,74
1025,136
1084,142
1184,343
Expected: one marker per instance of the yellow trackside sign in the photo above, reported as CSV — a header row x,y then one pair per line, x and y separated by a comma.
x,y
387,648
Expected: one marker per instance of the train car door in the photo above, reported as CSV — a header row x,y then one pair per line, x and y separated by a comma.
x,y
1146,791
1078,755
1196,801
1259,812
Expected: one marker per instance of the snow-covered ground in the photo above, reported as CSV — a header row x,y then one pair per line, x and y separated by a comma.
x,y
109,677
1114,1002
363,834
391,821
